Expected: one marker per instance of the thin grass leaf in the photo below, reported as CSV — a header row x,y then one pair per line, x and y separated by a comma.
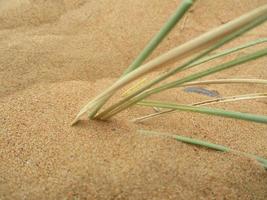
x,y
188,140
205,144
206,110
207,102
157,39
232,99
225,81
227,52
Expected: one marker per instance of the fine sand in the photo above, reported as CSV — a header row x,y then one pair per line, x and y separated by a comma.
x,y
56,55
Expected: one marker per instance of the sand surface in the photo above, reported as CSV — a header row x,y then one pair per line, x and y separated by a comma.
x,y
58,54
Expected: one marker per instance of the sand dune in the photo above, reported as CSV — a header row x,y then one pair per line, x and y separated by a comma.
x,y
58,54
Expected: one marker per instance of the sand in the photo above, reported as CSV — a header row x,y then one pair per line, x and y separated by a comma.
x,y
57,55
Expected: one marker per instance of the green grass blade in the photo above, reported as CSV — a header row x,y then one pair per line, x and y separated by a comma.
x,y
190,140
224,66
155,41
206,110
207,102
205,144
227,52
263,161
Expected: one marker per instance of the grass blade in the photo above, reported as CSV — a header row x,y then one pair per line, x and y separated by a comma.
x,y
206,110
227,52
207,102
155,41
225,81
232,99
188,140
206,144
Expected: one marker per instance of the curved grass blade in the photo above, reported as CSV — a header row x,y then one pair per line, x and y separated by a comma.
x,y
206,144
206,110
207,102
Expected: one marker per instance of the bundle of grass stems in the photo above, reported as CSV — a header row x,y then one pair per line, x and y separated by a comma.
x,y
195,52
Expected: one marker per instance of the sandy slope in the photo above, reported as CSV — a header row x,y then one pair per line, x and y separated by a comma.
x,y
56,55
